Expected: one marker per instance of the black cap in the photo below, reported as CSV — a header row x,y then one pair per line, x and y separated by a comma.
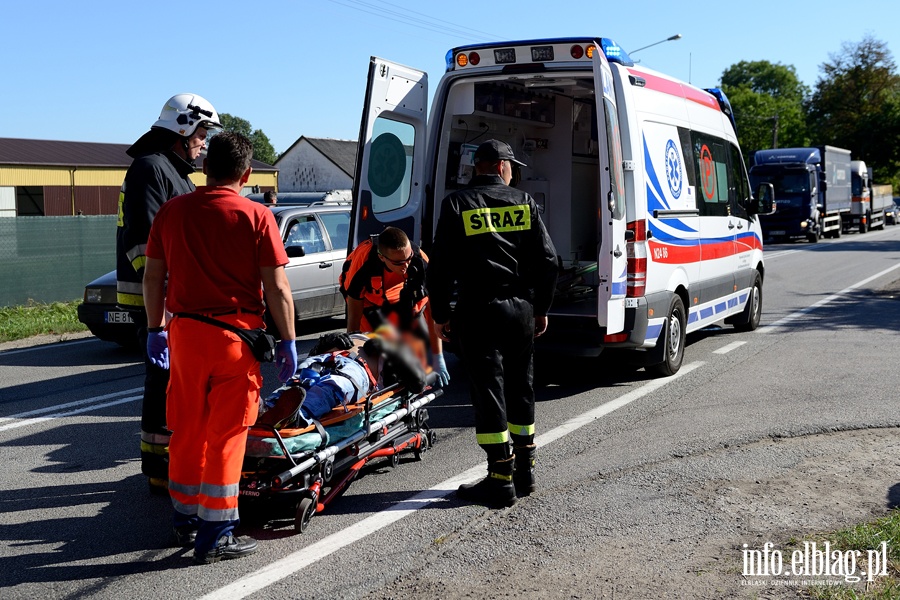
x,y
495,150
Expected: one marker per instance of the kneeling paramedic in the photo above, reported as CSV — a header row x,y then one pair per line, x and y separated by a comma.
x,y
383,282
215,378
490,240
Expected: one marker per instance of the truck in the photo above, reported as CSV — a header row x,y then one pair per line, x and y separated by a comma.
x,y
812,191
869,204
639,179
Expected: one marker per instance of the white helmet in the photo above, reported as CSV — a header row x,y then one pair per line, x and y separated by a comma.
x,y
184,113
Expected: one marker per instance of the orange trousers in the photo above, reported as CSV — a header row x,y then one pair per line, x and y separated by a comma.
x,y
213,397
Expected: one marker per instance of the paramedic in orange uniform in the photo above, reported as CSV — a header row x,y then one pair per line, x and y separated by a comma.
x,y
386,282
222,253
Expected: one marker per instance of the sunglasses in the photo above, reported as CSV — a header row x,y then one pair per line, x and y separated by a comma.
x,y
397,263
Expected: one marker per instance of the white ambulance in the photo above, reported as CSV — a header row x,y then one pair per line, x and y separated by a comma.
x,y
638,177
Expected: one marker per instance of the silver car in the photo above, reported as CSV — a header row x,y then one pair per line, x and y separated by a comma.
x,y
315,238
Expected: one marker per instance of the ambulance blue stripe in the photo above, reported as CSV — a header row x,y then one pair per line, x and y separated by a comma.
x,y
665,236
721,307
653,331
654,201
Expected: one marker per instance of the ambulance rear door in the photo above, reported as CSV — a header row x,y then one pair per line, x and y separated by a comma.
x,y
388,188
612,262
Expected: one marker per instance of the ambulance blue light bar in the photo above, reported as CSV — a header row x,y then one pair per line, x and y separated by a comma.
x,y
560,50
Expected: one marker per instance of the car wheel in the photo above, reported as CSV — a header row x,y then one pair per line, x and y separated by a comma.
x,y
753,311
674,338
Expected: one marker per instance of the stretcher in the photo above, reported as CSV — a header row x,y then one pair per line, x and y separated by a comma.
x,y
308,468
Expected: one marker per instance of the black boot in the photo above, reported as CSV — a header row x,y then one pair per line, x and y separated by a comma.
x,y
523,478
496,490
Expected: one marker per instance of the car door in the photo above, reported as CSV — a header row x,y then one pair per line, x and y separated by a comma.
x,y
337,227
612,260
311,276
388,184
718,226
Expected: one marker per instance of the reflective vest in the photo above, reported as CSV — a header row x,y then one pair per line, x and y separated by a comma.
x,y
364,277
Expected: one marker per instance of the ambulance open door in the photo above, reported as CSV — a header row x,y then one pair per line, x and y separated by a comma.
x,y
388,187
612,260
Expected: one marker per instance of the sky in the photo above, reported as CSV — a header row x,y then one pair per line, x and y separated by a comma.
x,y
100,71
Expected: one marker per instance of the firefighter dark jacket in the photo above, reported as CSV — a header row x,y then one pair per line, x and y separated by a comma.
x,y
490,239
150,181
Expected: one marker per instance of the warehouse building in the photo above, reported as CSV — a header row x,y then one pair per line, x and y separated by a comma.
x,y
54,178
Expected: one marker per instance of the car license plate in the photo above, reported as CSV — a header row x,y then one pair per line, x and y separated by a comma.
x,y
776,233
118,316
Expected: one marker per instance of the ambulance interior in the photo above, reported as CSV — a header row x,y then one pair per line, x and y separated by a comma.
x,y
551,125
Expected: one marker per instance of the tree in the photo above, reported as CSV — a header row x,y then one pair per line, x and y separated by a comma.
x,y
767,100
856,105
262,148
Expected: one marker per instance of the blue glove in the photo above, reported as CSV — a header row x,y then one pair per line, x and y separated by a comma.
x,y
158,348
286,360
440,367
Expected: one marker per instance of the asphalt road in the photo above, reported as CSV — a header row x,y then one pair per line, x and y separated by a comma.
x,y
648,487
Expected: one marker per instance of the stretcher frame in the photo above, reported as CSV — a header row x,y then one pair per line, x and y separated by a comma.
x,y
312,479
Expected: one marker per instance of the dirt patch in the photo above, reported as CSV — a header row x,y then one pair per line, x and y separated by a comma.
x,y
675,529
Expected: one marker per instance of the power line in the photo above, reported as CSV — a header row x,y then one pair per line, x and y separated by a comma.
x,y
436,27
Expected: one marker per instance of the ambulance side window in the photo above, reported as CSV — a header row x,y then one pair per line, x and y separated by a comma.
x,y
615,157
684,138
738,186
713,172
390,164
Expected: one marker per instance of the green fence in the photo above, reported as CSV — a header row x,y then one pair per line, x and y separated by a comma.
x,y
48,259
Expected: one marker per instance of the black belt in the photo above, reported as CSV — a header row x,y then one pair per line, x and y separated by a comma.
x,y
236,311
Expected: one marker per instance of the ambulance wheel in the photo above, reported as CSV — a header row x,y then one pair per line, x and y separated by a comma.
x,y
305,510
674,338
753,311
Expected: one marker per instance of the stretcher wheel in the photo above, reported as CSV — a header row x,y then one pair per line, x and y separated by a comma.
x,y
305,510
395,460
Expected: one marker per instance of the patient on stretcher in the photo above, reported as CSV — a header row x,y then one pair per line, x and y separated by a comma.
x,y
343,369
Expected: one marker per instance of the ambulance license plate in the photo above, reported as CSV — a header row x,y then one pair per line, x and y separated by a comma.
x,y
776,233
118,316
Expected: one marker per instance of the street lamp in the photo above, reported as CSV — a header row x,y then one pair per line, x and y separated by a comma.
x,y
677,36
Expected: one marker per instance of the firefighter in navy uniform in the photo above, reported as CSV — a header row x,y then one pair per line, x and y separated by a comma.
x,y
163,161
491,241
383,282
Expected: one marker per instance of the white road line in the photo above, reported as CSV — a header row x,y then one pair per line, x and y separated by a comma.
x,y
325,547
21,420
39,411
773,327
729,348
45,346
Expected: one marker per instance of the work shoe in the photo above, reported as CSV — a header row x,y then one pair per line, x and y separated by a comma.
x,y
158,486
523,477
185,536
496,490
227,547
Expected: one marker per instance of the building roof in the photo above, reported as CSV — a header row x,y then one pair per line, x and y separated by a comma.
x,y
49,153
341,152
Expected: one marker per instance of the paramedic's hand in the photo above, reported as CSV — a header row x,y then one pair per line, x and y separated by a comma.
x,y
286,359
158,348
540,325
440,368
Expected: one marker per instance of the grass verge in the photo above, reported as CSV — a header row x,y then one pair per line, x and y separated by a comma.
x,y
36,318
862,538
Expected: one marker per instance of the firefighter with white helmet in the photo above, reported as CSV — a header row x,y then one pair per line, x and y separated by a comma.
x,y
163,161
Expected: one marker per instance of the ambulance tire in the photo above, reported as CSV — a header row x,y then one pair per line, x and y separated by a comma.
x,y
752,314
674,338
